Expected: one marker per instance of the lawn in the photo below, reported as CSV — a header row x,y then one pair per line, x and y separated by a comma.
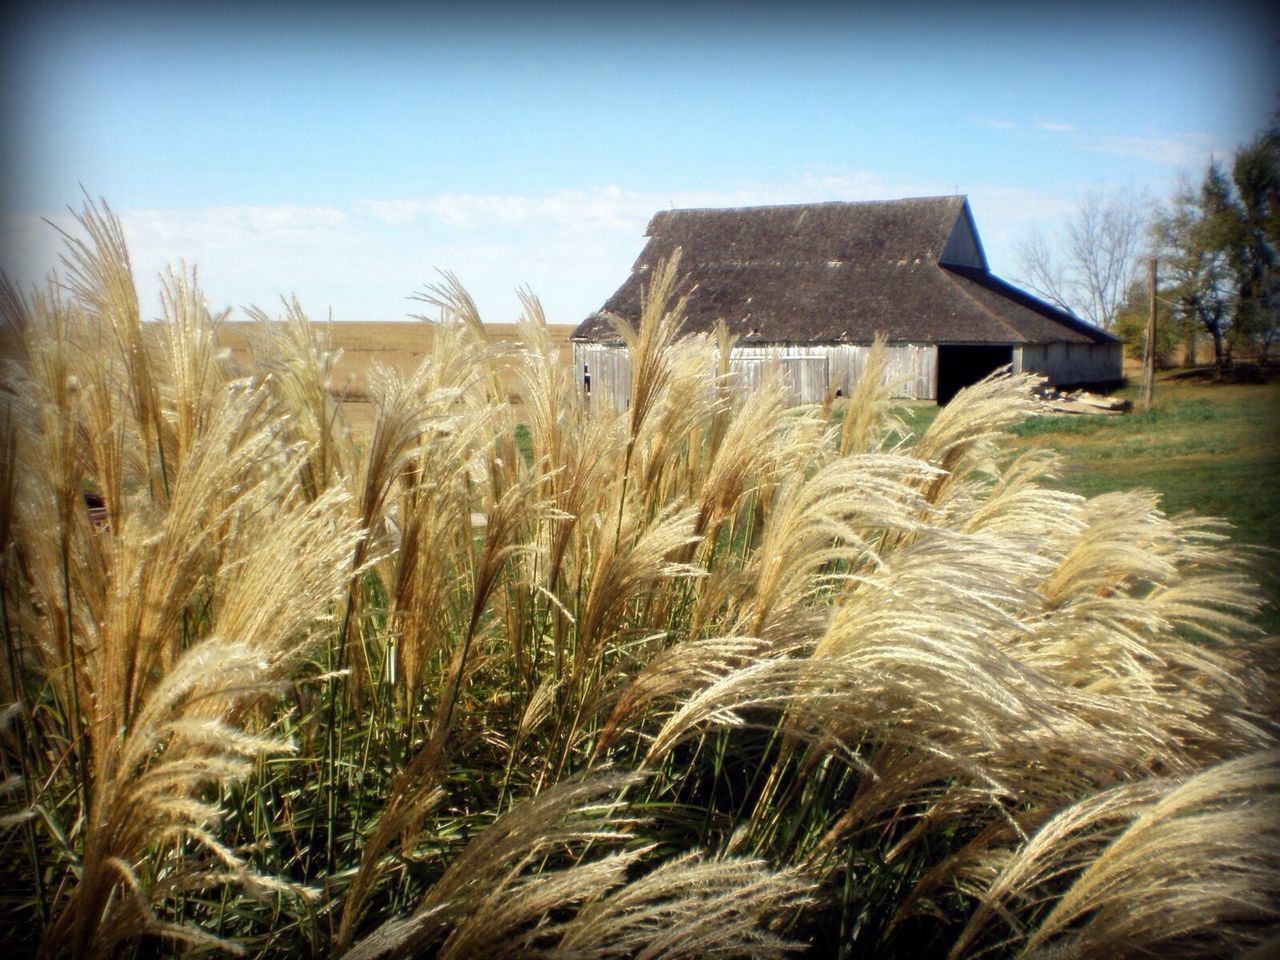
x,y
1209,448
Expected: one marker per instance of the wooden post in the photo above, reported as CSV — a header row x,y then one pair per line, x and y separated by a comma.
x,y
1148,388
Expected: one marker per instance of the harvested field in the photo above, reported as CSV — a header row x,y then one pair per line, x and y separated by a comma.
x,y
401,345
398,345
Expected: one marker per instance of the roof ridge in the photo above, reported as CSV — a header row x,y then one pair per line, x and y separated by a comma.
x,y
814,203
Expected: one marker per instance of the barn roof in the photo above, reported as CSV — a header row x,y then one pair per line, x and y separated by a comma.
x,y
840,272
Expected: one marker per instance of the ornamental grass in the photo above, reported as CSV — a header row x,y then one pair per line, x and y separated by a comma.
x,y
707,676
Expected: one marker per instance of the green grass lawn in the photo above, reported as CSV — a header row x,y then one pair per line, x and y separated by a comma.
x,y
1209,448
1213,449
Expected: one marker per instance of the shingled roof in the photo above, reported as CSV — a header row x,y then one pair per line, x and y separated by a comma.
x,y
911,269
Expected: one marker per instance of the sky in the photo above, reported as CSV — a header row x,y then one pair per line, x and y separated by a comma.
x,y
347,155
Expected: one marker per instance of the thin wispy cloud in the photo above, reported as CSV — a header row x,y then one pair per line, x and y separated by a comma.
x,y
612,207
607,206
1171,149
275,226
1178,150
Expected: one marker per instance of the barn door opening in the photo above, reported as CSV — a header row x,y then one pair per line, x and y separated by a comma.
x,y
959,366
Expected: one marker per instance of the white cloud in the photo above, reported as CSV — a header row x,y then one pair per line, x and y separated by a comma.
x,y
1179,149
1056,126
230,225
612,207
607,207
996,123
393,211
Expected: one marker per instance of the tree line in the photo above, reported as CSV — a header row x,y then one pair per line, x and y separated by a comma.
x,y
1217,247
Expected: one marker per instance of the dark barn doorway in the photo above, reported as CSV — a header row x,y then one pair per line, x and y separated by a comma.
x,y
959,366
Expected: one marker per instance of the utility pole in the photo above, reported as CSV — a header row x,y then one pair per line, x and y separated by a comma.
x,y
1148,388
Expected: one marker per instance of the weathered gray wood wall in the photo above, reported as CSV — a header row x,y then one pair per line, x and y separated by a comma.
x,y
603,370
806,378
1072,363
911,368
810,370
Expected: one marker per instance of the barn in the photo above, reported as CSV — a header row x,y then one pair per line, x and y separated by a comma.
x,y
808,286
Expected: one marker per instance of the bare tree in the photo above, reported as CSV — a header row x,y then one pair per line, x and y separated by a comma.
x,y
1089,271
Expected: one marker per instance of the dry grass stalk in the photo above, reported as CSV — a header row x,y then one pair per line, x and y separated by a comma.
x,y
163,624
1185,865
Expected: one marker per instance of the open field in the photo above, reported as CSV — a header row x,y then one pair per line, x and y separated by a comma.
x,y
398,345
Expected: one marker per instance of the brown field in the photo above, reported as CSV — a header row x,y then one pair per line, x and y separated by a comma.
x,y
398,345
401,345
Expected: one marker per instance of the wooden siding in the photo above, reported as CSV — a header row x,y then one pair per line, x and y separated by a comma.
x,y
810,369
806,377
609,370
1071,364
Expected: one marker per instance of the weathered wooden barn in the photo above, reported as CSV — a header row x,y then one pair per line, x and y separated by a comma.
x,y
809,286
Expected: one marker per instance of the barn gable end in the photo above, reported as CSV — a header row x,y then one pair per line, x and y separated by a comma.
x,y
963,248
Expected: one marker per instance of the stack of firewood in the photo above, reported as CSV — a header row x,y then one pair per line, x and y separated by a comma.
x,y
1055,401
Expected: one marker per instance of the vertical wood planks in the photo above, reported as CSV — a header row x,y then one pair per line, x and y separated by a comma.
x,y
810,370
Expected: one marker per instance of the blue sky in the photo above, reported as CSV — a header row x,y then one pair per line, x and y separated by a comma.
x,y
346,155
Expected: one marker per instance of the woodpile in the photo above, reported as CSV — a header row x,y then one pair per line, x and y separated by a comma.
x,y
1054,401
